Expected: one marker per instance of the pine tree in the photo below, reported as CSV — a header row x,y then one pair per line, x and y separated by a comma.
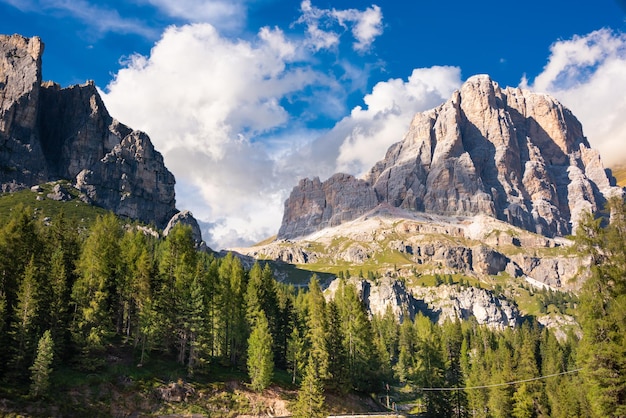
x,y
197,329
317,328
24,325
58,306
429,366
357,338
295,353
474,352
149,327
310,402
338,360
602,350
501,397
385,330
406,347
453,344
260,357
19,243
94,290
41,368
527,396
231,321
177,268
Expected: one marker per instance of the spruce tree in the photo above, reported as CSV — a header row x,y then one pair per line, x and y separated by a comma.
x,y
602,351
317,325
94,290
310,402
406,347
338,360
24,325
260,357
295,353
231,322
358,338
41,368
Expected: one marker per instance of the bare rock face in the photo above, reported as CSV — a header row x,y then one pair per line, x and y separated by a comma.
x,y
21,158
440,303
185,218
315,205
518,156
49,133
509,153
451,302
555,272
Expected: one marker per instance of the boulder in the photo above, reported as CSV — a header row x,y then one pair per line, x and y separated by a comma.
x,y
185,218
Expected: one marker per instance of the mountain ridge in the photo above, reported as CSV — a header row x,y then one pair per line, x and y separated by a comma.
x,y
509,153
49,133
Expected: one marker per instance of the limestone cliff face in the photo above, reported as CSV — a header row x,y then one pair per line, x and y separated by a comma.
x,y
441,304
508,153
21,156
315,205
50,133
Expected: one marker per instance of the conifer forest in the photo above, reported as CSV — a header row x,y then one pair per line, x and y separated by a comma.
x,y
69,297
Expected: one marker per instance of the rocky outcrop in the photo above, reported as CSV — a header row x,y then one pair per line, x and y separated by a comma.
x,y
21,157
49,133
450,302
314,205
555,272
512,154
186,218
441,303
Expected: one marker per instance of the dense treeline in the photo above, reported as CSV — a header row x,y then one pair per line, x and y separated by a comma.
x,y
68,297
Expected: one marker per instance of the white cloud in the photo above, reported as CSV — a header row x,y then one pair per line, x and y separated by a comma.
x,y
227,15
100,20
588,75
368,133
365,26
210,104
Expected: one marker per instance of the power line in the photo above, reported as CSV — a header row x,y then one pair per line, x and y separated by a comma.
x,y
515,382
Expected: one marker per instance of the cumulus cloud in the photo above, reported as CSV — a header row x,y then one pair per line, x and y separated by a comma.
x,y
205,100
365,26
367,133
215,108
588,75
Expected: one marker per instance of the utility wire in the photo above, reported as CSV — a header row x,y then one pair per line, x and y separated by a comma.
x,y
515,382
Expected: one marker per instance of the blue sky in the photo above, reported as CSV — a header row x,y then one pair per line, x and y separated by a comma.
x,y
244,97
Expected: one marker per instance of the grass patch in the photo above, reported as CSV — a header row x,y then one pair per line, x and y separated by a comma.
x,y
76,212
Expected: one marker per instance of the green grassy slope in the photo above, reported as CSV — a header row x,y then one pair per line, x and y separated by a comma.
x,y
75,211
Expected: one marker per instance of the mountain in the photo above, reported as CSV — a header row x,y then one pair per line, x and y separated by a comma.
x,y
49,133
511,154
443,266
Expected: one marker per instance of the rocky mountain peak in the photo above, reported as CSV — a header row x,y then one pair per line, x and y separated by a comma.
x,y
49,133
509,153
